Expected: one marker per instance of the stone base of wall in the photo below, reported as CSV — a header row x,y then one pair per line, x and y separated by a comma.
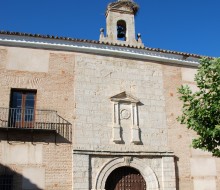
x,y
90,171
36,162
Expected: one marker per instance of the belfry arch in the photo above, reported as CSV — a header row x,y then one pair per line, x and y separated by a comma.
x,y
121,30
147,173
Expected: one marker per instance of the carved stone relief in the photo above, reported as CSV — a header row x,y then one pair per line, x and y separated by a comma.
x,y
125,112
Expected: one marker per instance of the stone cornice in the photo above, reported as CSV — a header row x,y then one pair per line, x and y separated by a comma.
x,y
114,149
94,48
128,153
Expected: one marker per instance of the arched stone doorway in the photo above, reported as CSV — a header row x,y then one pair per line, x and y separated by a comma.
x,y
125,178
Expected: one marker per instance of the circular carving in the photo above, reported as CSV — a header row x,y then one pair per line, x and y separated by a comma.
x,y
125,114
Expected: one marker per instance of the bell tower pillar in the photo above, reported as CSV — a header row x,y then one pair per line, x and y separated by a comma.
x,y
120,23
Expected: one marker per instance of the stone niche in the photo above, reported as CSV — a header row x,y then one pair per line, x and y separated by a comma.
x,y
125,128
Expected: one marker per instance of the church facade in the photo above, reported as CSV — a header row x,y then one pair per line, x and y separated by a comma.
x,y
97,115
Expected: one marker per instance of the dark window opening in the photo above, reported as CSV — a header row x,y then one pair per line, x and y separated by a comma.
x,y
121,30
6,182
22,108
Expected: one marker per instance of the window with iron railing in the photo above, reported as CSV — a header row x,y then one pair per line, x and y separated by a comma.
x,y
23,115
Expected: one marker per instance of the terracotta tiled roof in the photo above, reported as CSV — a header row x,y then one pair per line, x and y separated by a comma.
x,y
98,42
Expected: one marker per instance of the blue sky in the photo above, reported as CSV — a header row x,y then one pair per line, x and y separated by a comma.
x,y
191,26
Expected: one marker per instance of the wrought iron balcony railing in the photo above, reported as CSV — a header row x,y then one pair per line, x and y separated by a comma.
x,y
36,120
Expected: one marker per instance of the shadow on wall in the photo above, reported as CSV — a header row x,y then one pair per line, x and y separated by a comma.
x,y
176,160
12,180
23,135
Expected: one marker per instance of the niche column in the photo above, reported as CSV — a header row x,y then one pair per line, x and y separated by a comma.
x,y
135,131
116,132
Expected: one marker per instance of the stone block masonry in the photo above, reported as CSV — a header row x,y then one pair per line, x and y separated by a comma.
x,y
81,172
99,78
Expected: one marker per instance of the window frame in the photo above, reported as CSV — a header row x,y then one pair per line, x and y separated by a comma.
x,y
14,111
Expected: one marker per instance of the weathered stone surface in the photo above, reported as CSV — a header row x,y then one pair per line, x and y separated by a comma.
x,y
188,74
24,59
18,153
33,178
203,167
204,184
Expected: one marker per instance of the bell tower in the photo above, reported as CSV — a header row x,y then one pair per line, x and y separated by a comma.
x,y
120,24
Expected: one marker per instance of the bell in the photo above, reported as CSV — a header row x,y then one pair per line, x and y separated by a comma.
x,y
121,32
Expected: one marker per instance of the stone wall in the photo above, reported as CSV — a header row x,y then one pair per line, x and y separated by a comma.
x,y
81,172
81,87
155,85
99,78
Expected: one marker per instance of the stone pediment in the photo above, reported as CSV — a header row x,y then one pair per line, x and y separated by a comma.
x,y
122,8
125,112
124,97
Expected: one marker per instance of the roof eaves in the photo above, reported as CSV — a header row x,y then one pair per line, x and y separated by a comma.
x,y
98,42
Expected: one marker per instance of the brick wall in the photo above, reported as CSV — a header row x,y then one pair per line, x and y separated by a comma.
x,y
39,162
195,169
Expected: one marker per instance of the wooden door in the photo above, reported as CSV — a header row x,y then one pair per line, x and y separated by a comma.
x,y
22,108
125,178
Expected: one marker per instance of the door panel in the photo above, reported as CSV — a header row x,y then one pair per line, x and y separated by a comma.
x,y
125,178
